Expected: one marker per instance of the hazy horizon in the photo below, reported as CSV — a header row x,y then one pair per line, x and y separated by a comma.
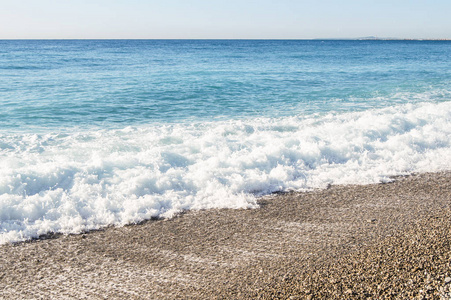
x,y
228,39
233,19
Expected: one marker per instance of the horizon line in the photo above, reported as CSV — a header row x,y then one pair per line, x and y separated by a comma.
x,y
369,38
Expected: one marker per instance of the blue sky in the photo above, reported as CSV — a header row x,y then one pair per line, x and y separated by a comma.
x,y
264,19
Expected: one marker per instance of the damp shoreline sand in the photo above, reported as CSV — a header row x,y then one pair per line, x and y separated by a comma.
x,y
358,241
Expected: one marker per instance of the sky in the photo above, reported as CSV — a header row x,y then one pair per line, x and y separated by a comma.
x,y
223,19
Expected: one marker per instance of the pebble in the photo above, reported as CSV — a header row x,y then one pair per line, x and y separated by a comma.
x,y
390,266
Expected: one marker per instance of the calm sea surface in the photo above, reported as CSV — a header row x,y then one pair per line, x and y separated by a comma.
x,y
116,83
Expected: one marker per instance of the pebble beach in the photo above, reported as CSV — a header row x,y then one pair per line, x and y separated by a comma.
x,y
378,241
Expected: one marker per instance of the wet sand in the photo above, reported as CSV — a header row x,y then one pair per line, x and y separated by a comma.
x,y
347,242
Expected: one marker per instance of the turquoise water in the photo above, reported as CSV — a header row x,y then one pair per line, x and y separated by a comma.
x,y
96,133
112,84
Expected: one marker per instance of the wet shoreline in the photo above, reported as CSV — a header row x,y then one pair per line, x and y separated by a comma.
x,y
323,244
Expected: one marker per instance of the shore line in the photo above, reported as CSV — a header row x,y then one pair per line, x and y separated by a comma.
x,y
360,241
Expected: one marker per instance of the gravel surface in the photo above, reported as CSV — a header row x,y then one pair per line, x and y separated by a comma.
x,y
381,241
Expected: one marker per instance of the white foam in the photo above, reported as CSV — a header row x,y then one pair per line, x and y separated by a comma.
x,y
73,182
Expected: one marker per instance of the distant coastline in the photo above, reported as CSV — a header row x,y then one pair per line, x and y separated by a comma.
x,y
396,39
375,38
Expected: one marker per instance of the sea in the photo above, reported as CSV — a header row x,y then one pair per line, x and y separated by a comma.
x,y
97,133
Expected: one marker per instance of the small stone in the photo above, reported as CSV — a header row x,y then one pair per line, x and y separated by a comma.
x,y
447,280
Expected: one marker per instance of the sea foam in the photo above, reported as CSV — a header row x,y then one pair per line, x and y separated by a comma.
x,y
70,182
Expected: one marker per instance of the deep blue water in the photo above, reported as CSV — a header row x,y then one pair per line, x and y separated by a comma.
x,y
116,83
